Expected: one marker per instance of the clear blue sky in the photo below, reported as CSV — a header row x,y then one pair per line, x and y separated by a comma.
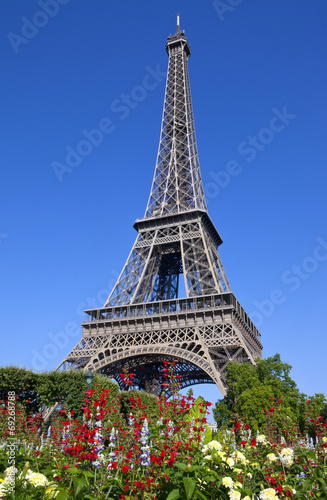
x,y
258,79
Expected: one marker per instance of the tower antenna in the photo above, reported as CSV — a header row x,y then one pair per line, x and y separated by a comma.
x,y
178,27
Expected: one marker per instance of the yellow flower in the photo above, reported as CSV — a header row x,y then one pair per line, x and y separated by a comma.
x,y
267,494
324,439
37,479
230,462
228,482
286,456
3,487
51,490
271,457
255,464
212,445
10,471
239,457
234,495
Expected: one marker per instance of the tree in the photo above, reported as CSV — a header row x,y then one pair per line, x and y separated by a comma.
x,y
254,388
310,409
37,391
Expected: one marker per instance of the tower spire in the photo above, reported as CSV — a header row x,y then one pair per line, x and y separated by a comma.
x,y
177,185
177,26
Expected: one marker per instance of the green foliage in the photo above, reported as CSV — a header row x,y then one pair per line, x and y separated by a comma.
x,y
135,402
36,391
197,412
23,383
252,389
310,409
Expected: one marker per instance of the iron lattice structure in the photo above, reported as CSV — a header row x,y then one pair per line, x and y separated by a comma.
x,y
143,322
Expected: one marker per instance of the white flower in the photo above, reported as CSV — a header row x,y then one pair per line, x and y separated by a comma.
x,y
287,461
239,457
234,495
287,452
37,479
10,471
261,439
271,457
249,475
286,456
212,445
228,482
4,484
51,491
267,494
230,462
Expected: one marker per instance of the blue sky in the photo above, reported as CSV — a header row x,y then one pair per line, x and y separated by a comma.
x,y
258,80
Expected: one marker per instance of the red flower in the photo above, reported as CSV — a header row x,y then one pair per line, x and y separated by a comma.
x,y
90,392
125,468
243,443
253,442
288,494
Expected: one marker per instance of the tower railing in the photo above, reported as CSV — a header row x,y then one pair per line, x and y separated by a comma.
x,y
171,306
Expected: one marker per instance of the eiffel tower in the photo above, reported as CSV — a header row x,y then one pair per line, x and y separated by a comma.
x,y
143,322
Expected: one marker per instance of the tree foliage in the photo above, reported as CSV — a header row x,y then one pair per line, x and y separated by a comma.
x,y
252,388
36,391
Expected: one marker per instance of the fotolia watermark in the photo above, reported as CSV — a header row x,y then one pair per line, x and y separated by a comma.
x,y
293,278
223,6
59,341
120,107
31,27
248,149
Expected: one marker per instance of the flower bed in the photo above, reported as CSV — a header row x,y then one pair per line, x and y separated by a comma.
x,y
162,454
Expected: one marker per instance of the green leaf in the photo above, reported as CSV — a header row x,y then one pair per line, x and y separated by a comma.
x,y
62,495
79,483
200,495
173,495
208,435
88,473
180,465
73,470
189,485
312,454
